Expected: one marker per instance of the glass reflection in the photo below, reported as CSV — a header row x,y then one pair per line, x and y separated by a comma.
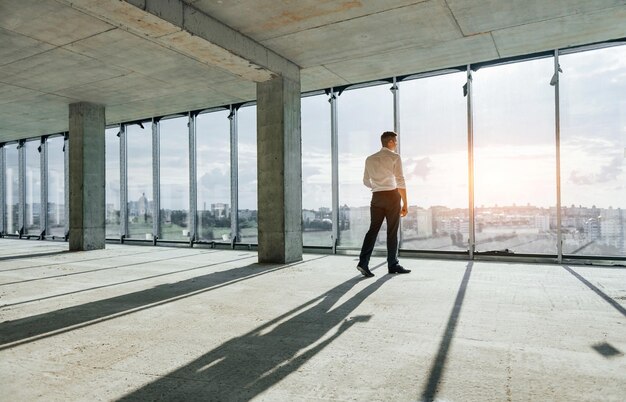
x,y
140,204
593,152
112,191
174,178
12,196
433,145
316,172
247,146
33,187
363,114
213,169
515,158
56,186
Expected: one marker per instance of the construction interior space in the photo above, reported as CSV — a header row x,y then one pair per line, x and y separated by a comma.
x,y
182,203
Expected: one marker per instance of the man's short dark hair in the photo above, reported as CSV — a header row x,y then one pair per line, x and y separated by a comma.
x,y
387,136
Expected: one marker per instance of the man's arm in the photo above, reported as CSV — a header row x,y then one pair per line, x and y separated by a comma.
x,y
405,204
366,177
401,186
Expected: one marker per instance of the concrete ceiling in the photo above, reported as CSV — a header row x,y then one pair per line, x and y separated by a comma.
x,y
141,63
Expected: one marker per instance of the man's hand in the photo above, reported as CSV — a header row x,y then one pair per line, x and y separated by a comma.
x,y
405,203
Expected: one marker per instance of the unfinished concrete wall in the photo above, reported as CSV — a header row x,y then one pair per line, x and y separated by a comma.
x,y
279,149
87,176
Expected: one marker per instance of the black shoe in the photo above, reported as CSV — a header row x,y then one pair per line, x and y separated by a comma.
x,y
365,271
398,269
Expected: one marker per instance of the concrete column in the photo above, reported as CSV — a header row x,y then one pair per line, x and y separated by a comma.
x,y
87,176
279,170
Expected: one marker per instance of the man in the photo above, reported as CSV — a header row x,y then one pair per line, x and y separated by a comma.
x,y
383,174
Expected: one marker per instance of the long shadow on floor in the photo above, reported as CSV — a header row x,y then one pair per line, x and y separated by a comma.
x,y
597,291
248,365
29,329
74,260
438,367
108,285
32,255
89,271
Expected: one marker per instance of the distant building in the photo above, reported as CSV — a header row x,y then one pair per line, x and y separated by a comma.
x,y
308,215
220,210
542,222
592,229
424,221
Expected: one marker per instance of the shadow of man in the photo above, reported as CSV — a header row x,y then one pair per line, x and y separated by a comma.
x,y
244,367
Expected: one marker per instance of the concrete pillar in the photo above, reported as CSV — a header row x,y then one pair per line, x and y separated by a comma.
x,y
86,176
279,170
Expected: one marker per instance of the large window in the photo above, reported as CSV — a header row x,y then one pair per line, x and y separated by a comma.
x,y
213,169
433,145
247,175
363,114
316,172
174,178
56,186
593,152
112,146
140,203
12,196
514,158
33,187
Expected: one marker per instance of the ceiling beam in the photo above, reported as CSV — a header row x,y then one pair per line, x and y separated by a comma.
x,y
183,28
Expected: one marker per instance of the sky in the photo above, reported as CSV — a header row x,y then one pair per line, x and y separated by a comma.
x,y
514,136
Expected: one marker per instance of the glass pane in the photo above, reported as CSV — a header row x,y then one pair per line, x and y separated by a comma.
x,y
363,114
12,197
56,187
316,172
112,146
433,145
593,152
514,158
174,173
140,204
213,159
33,187
247,175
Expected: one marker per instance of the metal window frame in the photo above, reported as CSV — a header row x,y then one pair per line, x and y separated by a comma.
x,y
193,178
66,184
43,182
234,174
333,93
21,218
3,198
557,135
470,164
395,90
334,149
24,232
123,183
156,180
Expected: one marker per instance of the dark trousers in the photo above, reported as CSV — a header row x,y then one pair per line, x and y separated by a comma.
x,y
384,205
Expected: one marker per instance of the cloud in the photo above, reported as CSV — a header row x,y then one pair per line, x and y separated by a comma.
x,y
608,172
214,178
418,168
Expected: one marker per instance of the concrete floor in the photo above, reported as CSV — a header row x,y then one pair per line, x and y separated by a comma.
x,y
146,323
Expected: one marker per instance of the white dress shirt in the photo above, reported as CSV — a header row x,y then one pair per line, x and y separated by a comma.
x,y
383,171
